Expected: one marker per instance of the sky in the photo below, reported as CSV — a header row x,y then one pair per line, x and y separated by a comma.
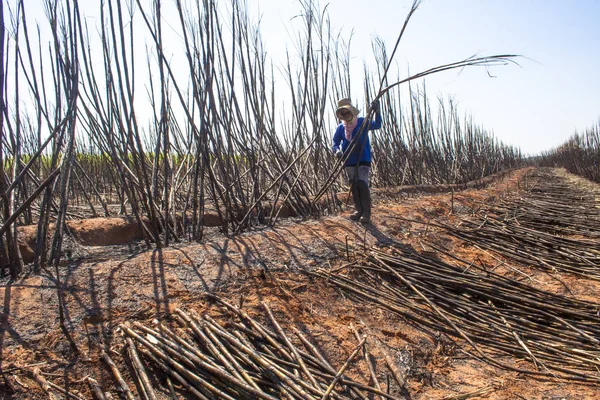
x,y
536,106
553,93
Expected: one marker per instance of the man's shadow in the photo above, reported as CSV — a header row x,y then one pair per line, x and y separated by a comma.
x,y
383,239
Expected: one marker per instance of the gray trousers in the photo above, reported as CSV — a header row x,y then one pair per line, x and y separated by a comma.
x,y
358,179
362,174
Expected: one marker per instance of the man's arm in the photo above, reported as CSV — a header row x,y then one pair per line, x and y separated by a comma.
x,y
378,120
337,140
377,123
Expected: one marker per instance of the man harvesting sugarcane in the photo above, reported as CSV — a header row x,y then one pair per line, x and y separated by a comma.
x,y
351,142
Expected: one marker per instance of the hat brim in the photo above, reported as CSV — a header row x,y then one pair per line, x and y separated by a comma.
x,y
350,108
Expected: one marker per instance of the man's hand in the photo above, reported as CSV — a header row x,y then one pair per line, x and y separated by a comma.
x,y
375,106
339,153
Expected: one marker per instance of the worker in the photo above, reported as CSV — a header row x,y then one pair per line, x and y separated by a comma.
x,y
357,155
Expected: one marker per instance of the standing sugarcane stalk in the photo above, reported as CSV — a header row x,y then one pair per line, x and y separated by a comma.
x,y
6,251
16,136
234,156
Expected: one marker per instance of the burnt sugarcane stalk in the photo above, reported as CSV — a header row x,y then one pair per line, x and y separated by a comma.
x,y
40,380
493,311
340,373
185,370
96,389
263,363
198,360
266,335
367,357
290,345
138,366
117,375
218,350
175,375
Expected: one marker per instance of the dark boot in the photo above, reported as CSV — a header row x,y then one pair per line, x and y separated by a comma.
x,y
365,200
355,216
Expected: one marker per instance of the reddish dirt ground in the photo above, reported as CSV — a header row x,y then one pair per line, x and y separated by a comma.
x,y
110,285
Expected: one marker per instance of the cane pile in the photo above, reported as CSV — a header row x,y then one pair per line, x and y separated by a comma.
x,y
554,226
243,359
503,321
558,208
522,245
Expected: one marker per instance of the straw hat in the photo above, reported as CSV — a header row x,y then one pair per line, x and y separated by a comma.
x,y
346,104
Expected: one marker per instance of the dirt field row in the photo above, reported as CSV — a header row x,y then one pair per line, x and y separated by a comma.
x,y
107,286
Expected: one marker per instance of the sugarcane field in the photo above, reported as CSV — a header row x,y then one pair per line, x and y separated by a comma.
x,y
185,215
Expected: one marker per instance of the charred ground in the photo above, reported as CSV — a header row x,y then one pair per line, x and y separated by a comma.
x,y
106,286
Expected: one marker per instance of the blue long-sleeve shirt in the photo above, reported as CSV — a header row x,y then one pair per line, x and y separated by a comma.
x,y
339,139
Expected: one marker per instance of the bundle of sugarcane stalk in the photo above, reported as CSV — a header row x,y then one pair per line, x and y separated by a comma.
x,y
527,246
496,316
566,218
242,360
553,205
553,227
